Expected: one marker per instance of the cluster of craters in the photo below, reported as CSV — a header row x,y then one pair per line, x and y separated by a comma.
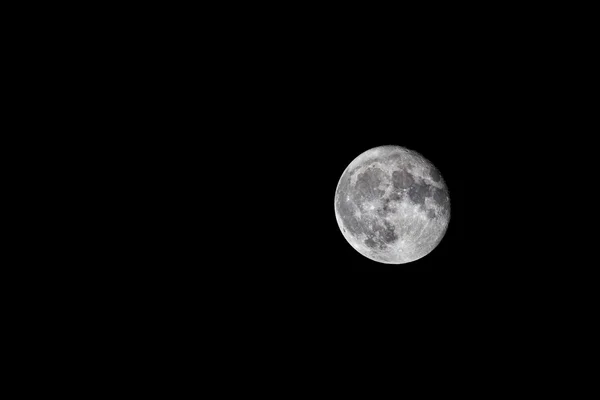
x,y
371,196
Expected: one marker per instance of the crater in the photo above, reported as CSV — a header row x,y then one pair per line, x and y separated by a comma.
x,y
395,197
417,193
434,174
395,157
350,222
346,209
385,232
371,243
367,183
441,197
402,179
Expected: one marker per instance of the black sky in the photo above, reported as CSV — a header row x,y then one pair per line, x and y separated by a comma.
x,y
309,129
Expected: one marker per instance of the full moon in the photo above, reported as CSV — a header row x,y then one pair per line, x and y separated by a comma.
x,y
392,205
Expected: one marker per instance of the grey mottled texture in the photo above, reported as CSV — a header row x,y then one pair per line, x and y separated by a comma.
x,y
392,205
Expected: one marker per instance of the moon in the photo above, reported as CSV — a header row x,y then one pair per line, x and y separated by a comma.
x,y
392,205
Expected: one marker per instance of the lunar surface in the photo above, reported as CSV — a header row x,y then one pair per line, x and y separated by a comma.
x,y
392,205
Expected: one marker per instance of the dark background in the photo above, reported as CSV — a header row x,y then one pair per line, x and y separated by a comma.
x,y
241,132
305,103
262,118
290,107
303,120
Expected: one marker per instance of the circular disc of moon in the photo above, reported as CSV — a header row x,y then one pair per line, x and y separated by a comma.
x,y
392,205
